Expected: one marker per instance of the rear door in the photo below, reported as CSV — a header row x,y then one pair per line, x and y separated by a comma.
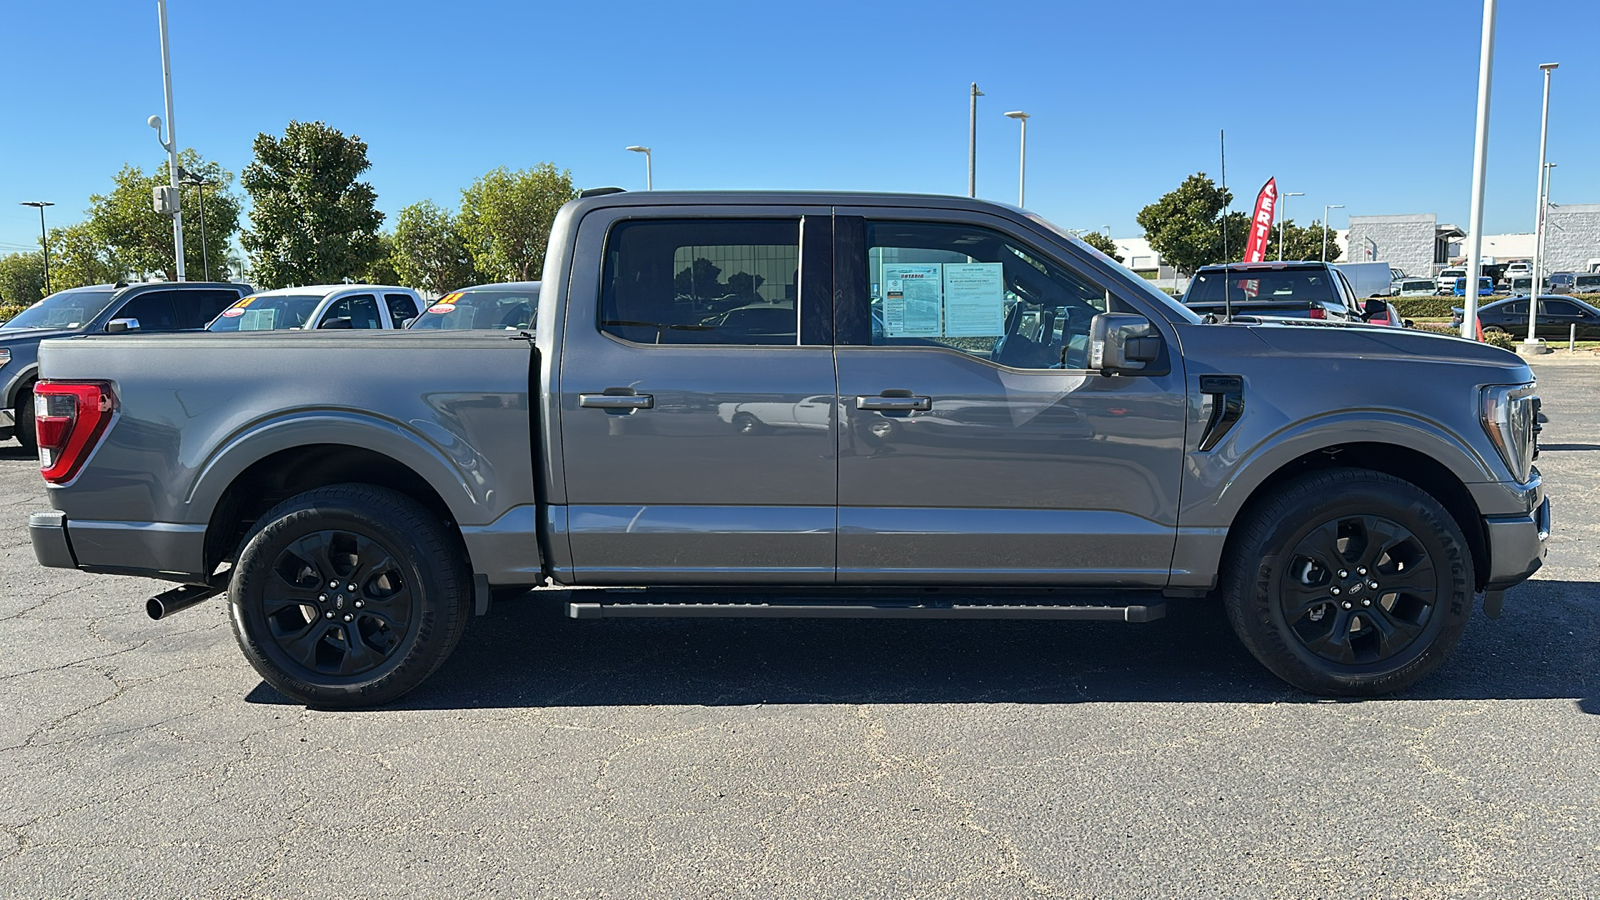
x,y
196,308
666,481
976,445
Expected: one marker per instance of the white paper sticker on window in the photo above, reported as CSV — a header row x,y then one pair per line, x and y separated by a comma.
x,y
974,300
258,320
911,295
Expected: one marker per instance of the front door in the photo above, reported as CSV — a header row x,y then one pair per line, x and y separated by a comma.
x,y
696,408
977,446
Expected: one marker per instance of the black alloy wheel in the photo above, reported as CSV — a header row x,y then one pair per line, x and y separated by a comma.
x,y
349,595
1348,582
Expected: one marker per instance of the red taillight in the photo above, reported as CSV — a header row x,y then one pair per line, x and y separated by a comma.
x,y
1318,312
69,418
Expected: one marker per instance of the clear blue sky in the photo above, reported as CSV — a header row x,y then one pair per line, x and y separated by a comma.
x,y
1368,103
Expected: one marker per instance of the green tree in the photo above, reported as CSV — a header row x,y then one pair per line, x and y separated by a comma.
x,y
1102,243
79,256
506,219
132,236
1184,225
21,282
311,220
430,252
1306,242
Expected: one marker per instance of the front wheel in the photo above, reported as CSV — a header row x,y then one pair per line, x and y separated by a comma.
x,y
1493,329
349,595
1349,582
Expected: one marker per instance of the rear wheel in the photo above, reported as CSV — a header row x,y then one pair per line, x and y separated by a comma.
x,y
1349,582
26,435
349,595
1493,329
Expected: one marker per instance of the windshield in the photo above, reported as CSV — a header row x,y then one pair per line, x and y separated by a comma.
x,y
482,309
274,312
1149,290
1275,285
64,309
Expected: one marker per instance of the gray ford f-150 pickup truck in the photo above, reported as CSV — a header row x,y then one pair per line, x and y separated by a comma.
x,y
998,421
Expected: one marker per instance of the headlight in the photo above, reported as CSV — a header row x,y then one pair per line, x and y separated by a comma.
x,y
1510,414
5,357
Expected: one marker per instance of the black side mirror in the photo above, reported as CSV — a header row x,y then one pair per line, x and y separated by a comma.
x,y
338,322
1123,343
1374,307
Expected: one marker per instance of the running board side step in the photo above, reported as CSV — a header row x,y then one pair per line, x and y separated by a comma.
x,y
879,610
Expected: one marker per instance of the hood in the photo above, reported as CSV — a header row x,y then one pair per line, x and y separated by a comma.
x,y
1359,341
18,335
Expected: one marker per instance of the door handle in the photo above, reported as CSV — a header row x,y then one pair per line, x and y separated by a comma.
x,y
609,400
895,404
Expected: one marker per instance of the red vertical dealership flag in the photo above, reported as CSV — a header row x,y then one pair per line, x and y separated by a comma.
x,y
1261,223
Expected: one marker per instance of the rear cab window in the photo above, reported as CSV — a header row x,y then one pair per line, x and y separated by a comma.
x,y
702,282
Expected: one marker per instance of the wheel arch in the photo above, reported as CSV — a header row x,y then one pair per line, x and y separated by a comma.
x,y
1409,465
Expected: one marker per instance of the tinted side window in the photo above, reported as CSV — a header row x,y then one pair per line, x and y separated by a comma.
x,y
361,310
1560,308
979,292
153,309
401,308
197,308
702,282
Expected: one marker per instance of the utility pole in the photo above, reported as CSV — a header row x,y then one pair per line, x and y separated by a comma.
x,y
972,143
171,143
44,241
1480,162
1538,218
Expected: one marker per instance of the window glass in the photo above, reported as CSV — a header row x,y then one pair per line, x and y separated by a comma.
x,y
361,310
482,308
63,309
1559,307
702,282
153,310
1518,308
401,308
1309,285
197,307
979,292
268,312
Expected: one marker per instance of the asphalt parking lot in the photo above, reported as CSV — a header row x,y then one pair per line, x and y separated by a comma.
x,y
682,758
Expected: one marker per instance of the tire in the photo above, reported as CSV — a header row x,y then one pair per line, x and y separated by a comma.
x,y
747,424
1283,568
1493,329
333,648
26,435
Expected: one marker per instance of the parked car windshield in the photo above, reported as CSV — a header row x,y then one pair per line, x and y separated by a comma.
x,y
63,309
482,309
1276,285
275,312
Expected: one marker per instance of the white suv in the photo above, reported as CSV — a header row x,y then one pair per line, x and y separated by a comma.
x,y
1446,282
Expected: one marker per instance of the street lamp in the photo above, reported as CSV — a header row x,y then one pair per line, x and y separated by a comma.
x,y
646,151
171,142
201,182
1022,167
1283,220
972,143
1538,214
1325,208
43,241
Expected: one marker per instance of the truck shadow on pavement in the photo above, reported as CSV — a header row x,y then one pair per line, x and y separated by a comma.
x,y
526,654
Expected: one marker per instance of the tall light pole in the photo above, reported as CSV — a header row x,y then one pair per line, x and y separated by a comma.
x,y
43,241
972,143
201,182
646,151
1480,163
1542,232
1325,208
1022,166
1538,220
171,142
1283,200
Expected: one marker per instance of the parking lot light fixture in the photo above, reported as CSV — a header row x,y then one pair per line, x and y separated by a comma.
x,y
646,151
1538,211
43,241
1283,219
1325,208
1022,167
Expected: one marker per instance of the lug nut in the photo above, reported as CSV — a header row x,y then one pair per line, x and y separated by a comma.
x,y
359,604
1366,601
1373,585
1344,573
1336,592
328,614
333,584
1346,604
348,617
353,587
1362,570
322,598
